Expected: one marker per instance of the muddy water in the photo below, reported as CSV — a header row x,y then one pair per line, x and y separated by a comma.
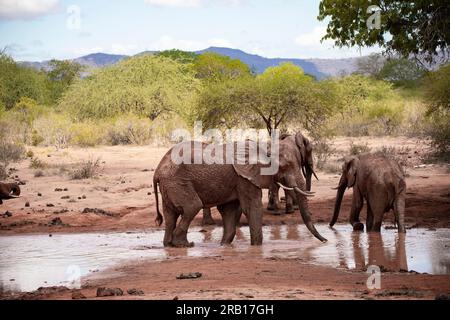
x,y
31,261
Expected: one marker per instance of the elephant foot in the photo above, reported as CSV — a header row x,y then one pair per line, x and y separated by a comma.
x,y
272,207
290,209
358,226
208,221
182,244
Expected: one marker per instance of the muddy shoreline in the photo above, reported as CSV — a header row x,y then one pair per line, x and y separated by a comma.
x,y
121,200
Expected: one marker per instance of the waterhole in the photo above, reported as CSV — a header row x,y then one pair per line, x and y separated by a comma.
x,y
28,262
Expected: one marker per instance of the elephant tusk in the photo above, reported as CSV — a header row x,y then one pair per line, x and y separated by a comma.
x,y
315,175
284,187
336,188
303,192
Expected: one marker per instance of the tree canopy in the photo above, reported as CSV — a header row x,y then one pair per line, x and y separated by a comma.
x,y
214,67
17,81
147,86
407,27
280,96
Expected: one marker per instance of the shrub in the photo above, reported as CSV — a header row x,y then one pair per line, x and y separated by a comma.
x,y
86,134
36,163
357,149
9,152
129,130
86,170
53,130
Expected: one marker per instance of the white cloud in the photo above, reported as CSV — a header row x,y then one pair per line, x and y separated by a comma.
x,y
26,9
192,3
313,38
125,49
174,3
86,51
166,42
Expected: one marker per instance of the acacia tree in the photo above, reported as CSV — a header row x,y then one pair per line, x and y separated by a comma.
x,y
420,28
146,86
213,67
280,96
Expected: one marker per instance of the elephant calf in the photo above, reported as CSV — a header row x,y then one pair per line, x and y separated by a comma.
x,y
378,180
9,191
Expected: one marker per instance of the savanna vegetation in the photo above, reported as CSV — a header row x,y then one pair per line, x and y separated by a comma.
x,y
142,99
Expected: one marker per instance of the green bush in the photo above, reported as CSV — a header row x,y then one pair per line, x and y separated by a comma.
x,y
86,134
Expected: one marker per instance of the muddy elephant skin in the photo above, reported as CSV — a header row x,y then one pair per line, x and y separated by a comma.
x,y
381,182
188,188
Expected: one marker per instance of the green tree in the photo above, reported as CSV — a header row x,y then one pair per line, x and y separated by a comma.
x,y
17,81
146,86
61,75
437,95
407,27
178,55
280,96
402,72
214,67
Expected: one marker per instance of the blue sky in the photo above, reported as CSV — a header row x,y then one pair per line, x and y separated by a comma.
x,y
37,30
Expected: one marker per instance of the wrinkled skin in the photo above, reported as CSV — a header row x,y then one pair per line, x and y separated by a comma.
x,y
9,191
186,189
378,180
306,164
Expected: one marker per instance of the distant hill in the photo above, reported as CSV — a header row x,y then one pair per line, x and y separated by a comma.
x,y
99,60
319,68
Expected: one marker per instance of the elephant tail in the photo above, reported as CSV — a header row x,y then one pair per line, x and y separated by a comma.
x,y
159,218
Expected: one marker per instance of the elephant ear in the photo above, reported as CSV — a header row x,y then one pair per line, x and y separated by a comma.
x,y
251,172
351,165
246,165
300,142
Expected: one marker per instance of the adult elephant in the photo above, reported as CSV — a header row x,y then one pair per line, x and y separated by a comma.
x,y
303,150
9,191
381,182
232,188
304,155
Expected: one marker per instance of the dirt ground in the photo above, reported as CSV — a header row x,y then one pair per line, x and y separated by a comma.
x,y
54,203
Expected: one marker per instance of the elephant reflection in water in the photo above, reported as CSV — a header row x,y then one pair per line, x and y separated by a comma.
x,y
378,254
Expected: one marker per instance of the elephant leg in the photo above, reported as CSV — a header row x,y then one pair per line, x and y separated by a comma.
x,y
357,206
377,221
274,201
207,218
190,210
378,208
250,198
369,221
399,212
170,218
289,204
229,213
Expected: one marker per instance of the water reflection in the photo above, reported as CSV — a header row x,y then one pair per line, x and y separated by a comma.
x,y
28,262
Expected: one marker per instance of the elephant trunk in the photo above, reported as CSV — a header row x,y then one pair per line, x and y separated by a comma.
x,y
306,216
308,176
340,195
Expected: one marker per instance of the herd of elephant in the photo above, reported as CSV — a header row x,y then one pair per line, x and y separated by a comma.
x,y
234,189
